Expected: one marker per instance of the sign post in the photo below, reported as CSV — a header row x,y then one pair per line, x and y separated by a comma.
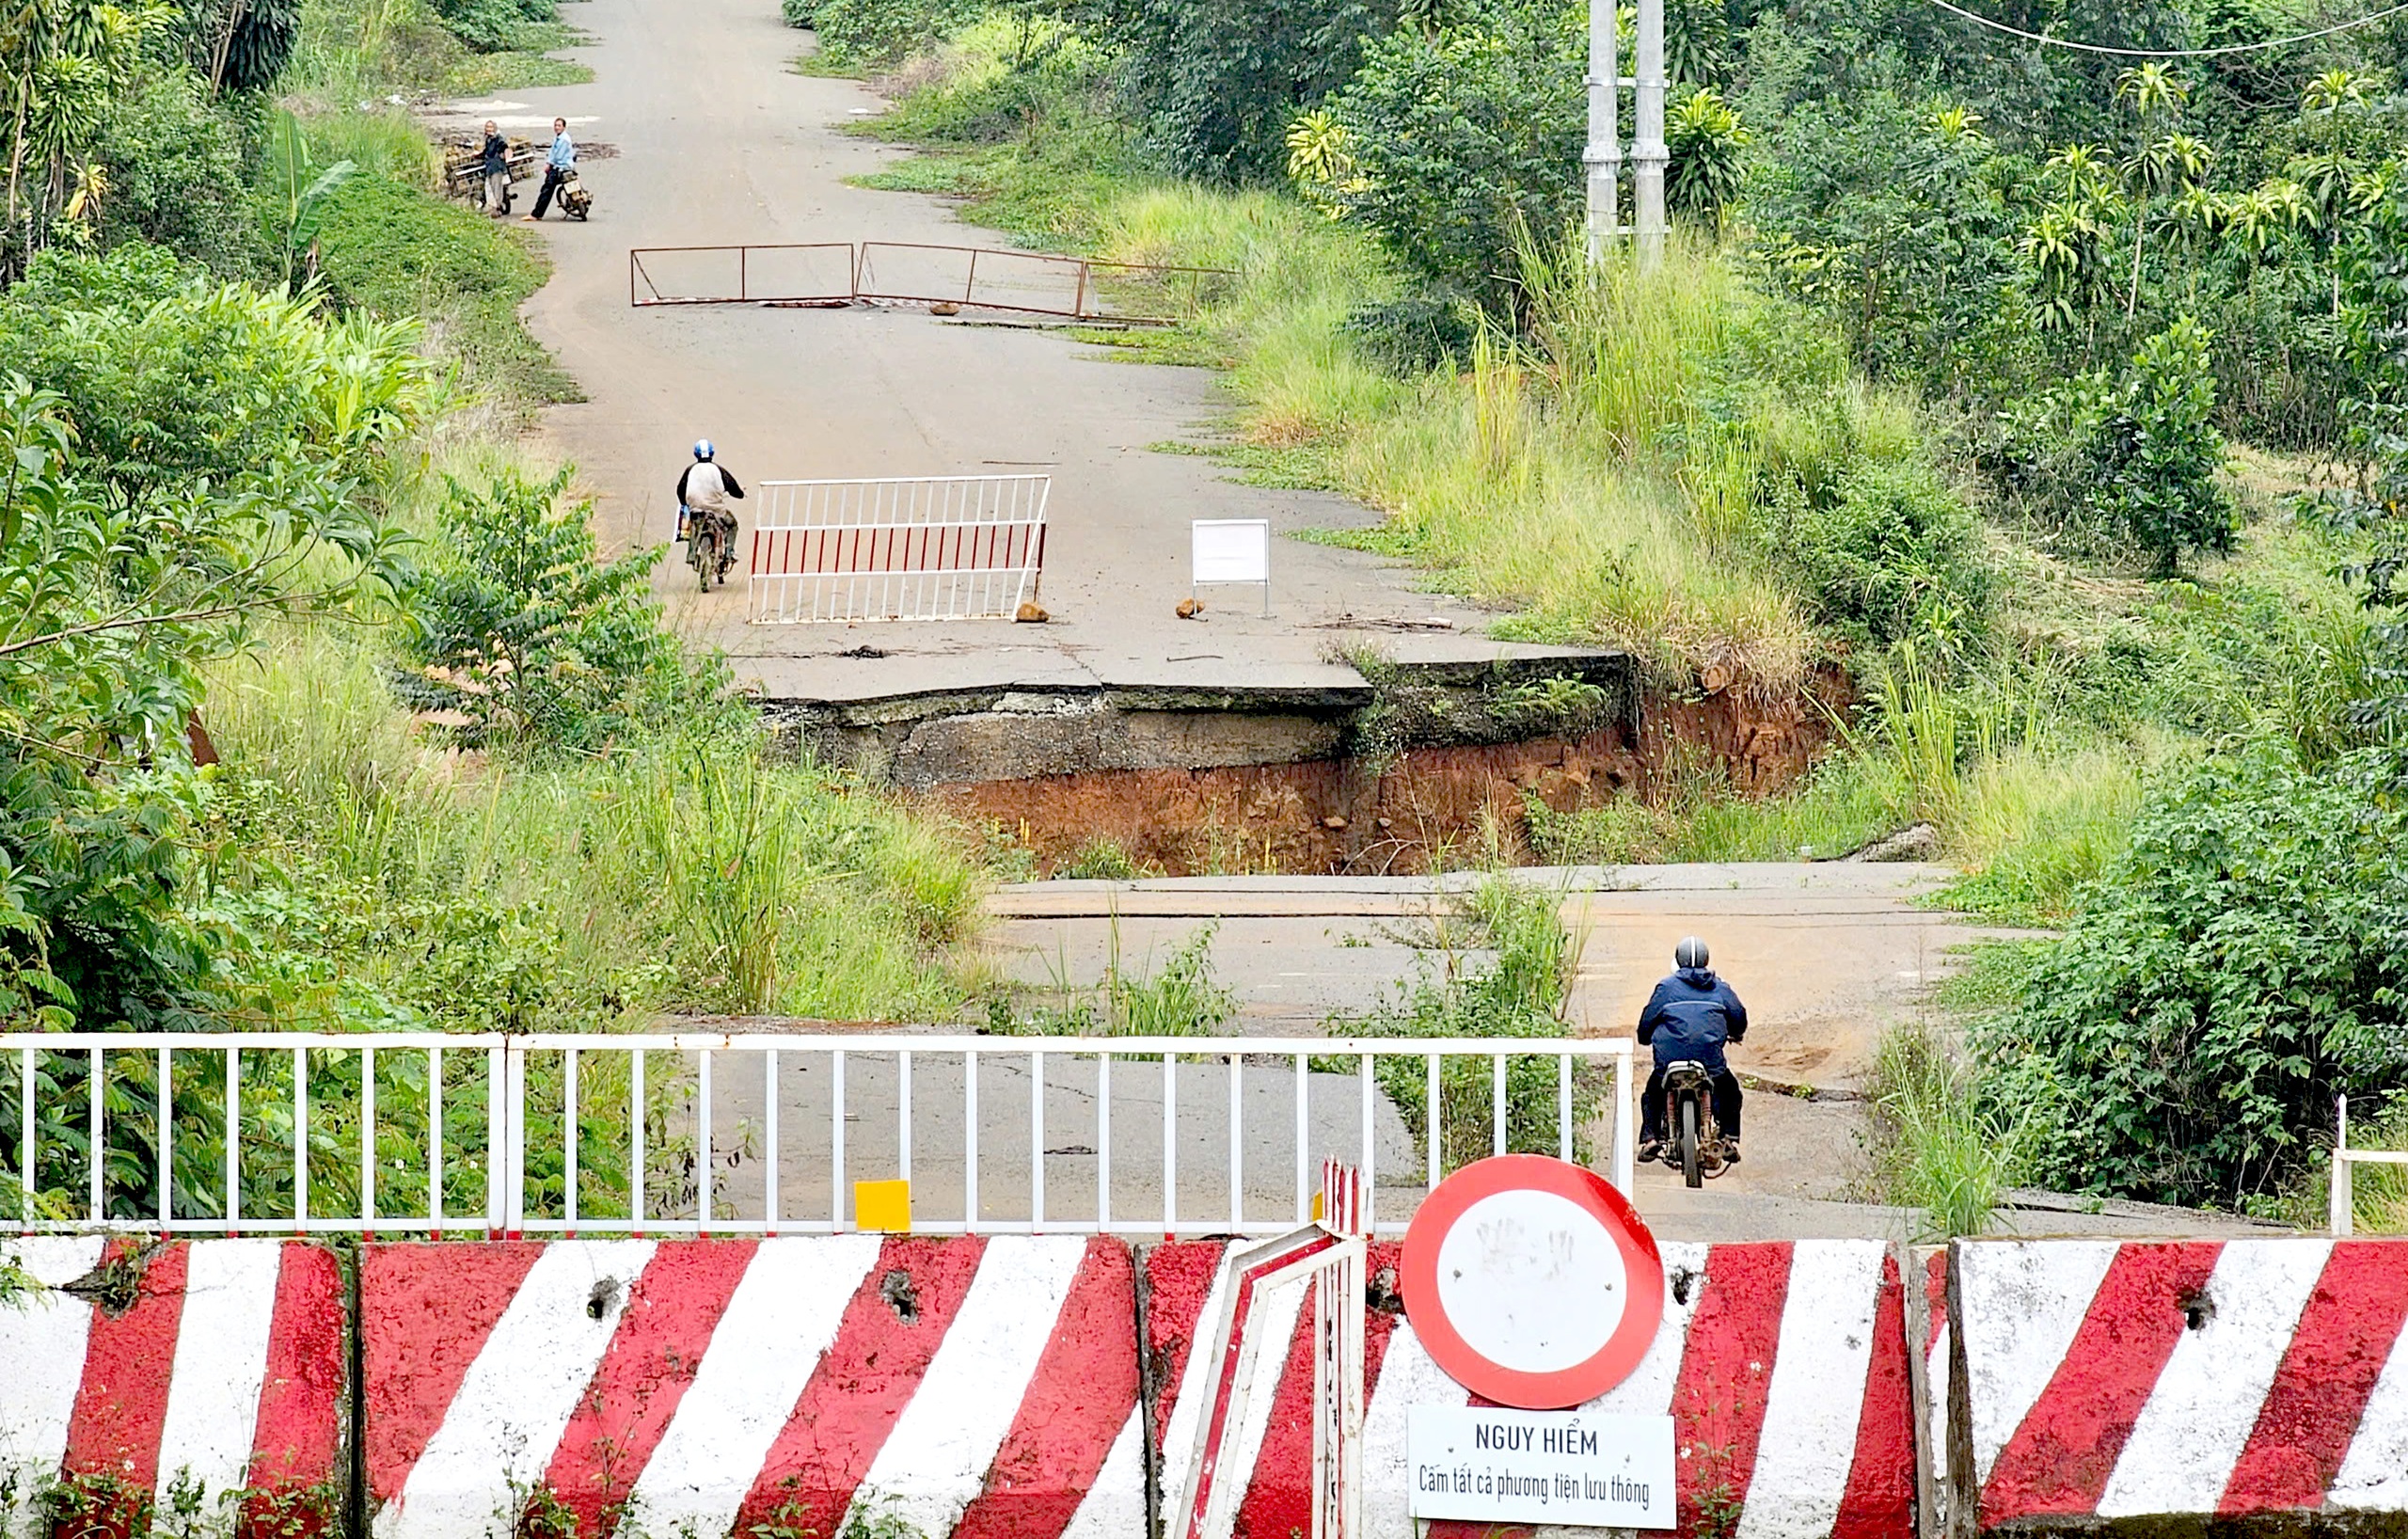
x,y
1231,551
1535,1285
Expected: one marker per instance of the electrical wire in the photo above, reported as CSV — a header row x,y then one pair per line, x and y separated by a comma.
x,y
2167,52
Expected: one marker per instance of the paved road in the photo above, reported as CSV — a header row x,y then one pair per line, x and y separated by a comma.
x,y
719,141
1826,956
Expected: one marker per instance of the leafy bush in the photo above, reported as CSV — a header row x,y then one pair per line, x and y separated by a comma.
x,y
176,178
172,379
1886,552
246,430
493,26
1215,82
1416,334
1703,134
2156,451
1466,146
2242,962
876,33
534,641
799,13
1898,230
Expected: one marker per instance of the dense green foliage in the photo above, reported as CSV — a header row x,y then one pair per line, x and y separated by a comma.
x,y
523,630
1458,147
2244,962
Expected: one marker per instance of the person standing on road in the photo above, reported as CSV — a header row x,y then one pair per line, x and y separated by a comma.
x,y
557,166
496,164
1688,1019
705,488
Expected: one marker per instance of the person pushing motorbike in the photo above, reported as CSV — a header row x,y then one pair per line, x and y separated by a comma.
x,y
1688,1018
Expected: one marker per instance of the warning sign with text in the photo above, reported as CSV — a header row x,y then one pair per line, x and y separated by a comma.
x,y
1541,1467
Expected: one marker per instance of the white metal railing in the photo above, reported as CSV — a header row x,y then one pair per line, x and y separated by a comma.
x,y
285,1132
925,548
2344,1196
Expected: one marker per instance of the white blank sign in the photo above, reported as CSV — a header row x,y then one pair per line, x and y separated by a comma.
x,y
1232,550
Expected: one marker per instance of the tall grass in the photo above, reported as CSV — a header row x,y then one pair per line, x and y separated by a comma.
x,y
673,877
1942,1149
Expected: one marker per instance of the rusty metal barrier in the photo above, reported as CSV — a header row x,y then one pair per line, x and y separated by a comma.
x,y
1021,283
916,273
756,275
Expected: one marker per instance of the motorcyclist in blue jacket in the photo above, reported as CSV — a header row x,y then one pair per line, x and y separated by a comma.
x,y
1688,1019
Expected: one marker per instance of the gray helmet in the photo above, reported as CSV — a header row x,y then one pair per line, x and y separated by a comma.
x,y
1692,952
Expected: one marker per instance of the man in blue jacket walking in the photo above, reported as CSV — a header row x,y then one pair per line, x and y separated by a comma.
x,y
1688,1019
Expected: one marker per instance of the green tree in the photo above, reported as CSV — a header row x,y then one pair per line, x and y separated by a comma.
x,y
2156,452
1462,143
1216,83
66,62
2153,91
536,643
1707,142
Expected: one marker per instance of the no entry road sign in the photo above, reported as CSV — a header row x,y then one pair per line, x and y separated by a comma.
x,y
1532,1281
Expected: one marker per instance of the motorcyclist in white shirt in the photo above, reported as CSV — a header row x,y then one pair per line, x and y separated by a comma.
x,y
706,487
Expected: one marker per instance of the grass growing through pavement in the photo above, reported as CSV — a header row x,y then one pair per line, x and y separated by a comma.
x,y
1938,1147
1496,961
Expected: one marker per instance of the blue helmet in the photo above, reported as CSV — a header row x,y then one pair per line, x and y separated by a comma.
x,y
703,449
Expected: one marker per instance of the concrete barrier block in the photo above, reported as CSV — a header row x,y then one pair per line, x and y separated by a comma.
x,y
1784,1366
965,1387
201,1384
2136,1384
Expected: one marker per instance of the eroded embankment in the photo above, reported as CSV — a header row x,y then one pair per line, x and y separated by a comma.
x,y
1383,777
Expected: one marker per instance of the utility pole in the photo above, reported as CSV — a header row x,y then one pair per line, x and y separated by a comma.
x,y
1603,158
1647,153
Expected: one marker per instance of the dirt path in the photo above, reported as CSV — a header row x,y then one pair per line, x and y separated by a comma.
x,y
719,141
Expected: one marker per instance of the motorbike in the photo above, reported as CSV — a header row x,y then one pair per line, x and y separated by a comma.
x,y
1695,1144
575,200
710,545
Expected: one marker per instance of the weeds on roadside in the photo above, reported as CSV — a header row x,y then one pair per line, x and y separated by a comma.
x,y
1180,999
1939,1148
1497,961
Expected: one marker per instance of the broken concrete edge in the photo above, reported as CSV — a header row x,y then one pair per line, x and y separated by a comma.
x,y
2028,1199
1023,730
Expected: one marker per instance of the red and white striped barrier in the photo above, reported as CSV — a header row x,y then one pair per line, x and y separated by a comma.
x,y
968,1387
2249,1376
1784,1365
214,1367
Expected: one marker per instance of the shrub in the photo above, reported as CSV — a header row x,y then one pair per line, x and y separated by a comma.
x,y
1416,334
533,640
176,178
798,12
2155,450
2242,962
1216,82
874,33
1466,145
492,27
1886,552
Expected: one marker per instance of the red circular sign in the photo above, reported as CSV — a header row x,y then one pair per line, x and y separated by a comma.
x,y
1532,1281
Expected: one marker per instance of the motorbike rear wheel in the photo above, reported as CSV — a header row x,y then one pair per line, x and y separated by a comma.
x,y
702,551
1689,1141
